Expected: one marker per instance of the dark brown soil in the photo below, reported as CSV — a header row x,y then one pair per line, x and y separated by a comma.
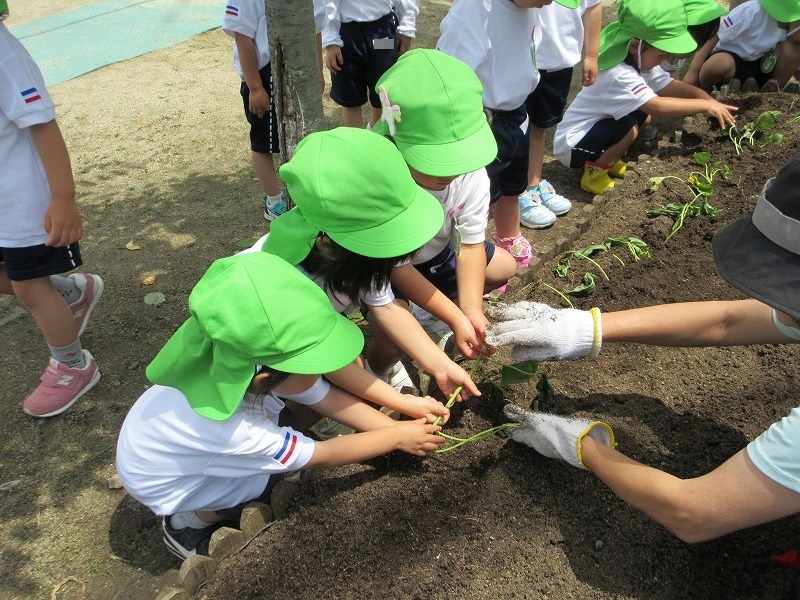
x,y
495,520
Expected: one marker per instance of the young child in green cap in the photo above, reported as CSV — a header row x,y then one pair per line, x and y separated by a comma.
x,y
758,38
604,120
703,18
235,386
446,141
358,215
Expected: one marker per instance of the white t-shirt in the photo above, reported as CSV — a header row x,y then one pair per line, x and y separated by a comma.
x,y
749,32
364,11
776,452
497,39
172,459
24,189
466,207
247,17
377,297
617,92
562,35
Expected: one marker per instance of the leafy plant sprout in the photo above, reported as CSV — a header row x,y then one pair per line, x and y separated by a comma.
x,y
757,130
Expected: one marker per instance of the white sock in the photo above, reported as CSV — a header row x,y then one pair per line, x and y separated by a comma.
x,y
273,200
187,519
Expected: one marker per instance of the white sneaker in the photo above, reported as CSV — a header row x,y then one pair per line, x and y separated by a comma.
x,y
532,213
400,380
326,429
557,203
437,330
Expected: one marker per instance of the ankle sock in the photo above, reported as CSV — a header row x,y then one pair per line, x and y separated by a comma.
x,y
187,519
599,165
273,200
71,355
67,287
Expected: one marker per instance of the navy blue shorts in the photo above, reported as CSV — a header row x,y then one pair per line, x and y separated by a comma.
x,y
362,64
33,262
546,103
604,134
441,271
263,130
508,173
747,68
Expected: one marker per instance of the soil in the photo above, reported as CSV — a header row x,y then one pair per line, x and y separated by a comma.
x,y
491,519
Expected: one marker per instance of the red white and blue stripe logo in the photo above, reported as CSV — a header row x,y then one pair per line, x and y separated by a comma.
x,y
287,449
727,22
232,10
638,88
31,95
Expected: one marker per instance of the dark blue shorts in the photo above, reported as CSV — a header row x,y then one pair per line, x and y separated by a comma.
x,y
362,64
263,130
604,134
33,262
747,68
441,271
546,103
508,173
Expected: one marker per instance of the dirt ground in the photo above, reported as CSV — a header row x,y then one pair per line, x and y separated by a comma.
x,y
160,156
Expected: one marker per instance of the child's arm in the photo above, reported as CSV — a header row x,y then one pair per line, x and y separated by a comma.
x,y
331,40
403,329
692,76
407,11
354,379
471,279
423,293
679,107
592,24
62,221
248,59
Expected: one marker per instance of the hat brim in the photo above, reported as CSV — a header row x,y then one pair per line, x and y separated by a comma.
x,y
406,232
780,10
751,263
569,3
454,158
291,237
682,44
705,15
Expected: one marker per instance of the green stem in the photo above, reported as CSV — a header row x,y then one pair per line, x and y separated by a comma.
x,y
563,297
452,399
474,438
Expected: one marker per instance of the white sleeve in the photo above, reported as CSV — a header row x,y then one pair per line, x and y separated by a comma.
x,y
472,207
240,17
379,297
633,94
319,14
316,393
407,11
23,95
333,21
463,37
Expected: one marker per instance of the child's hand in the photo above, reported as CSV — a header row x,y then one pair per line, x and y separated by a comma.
x,y
426,408
589,71
417,437
259,102
467,340
722,113
62,222
333,58
403,44
451,376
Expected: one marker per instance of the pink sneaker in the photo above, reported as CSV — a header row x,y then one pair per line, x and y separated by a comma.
x,y
518,247
91,287
60,387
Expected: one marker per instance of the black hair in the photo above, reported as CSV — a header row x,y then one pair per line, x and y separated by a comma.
x,y
702,32
629,60
347,273
265,385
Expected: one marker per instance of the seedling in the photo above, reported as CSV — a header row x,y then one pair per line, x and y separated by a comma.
x,y
753,131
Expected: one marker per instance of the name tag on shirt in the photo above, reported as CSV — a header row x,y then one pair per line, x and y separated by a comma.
x,y
383,44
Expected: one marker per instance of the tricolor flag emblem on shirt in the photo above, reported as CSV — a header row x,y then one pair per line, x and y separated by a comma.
x,y
287,449
231,10
727,22
638,88
31,95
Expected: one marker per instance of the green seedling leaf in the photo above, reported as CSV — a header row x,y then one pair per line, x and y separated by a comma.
x,y
766,120
545,392
654,183
774,138
702,158
562,268
519,372
586,287
589,250
246,242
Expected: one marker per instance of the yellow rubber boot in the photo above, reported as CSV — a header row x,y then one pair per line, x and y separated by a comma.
x,y
618,170
595,179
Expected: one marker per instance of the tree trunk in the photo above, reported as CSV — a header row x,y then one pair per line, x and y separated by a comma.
x,y
295,71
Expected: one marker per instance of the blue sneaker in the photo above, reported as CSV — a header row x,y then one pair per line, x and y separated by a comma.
x,y
277,209
534,214
555,202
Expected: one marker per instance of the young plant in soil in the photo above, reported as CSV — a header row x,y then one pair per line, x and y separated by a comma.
x,y
753,131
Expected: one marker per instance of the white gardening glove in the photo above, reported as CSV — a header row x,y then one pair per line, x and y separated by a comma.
x,y
541,332
555,436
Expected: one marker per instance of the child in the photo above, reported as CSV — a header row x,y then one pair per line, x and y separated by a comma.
x,y
703,17
246,22
758,255
604,120
564,33
750,42
361,41
446,141
216,430
497,39
40,229
359,213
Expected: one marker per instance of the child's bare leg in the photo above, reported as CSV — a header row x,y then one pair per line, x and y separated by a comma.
x,y
536,156
787,54
352,117
618,150
381,352
5,282
500,269
265,171
374,115
49,309
717,69
506,217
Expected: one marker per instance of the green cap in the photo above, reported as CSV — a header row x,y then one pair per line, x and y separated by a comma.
x,y
248,310
660,23
356,187
444,131
785,11
569,3
699,12
3,9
